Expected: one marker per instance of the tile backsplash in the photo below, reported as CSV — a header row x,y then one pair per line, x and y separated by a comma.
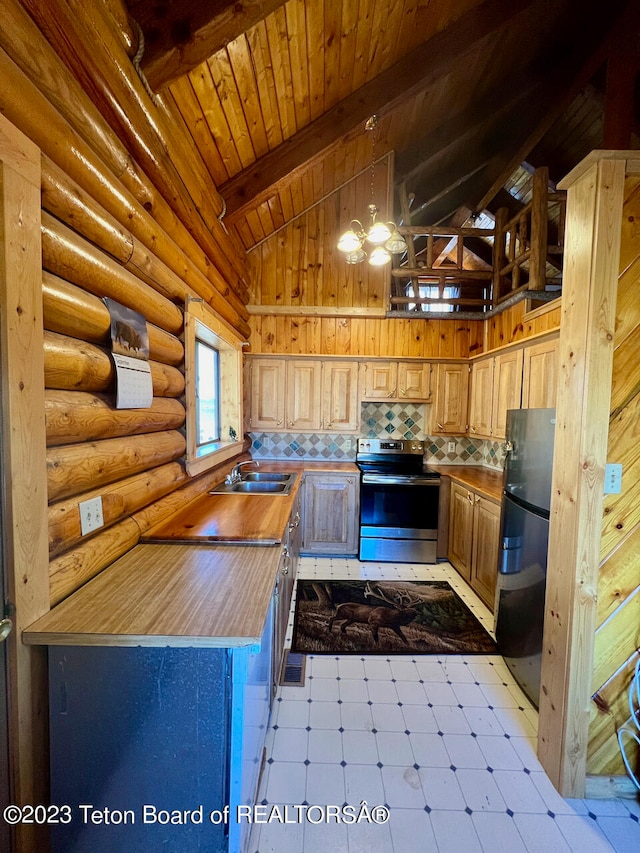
x,y
379,420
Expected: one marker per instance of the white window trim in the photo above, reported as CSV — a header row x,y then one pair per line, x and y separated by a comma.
x,y
202,323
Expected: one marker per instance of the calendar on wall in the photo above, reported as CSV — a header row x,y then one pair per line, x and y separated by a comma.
x,y
130,351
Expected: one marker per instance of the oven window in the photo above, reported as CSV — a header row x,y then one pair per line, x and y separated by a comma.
x,y
399,506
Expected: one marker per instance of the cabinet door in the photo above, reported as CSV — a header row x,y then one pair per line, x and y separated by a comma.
x,y
267,393
380,379
507,387
486,541
330,514
340,403
414,381
461,529
452,399
540,375
481,397
303,394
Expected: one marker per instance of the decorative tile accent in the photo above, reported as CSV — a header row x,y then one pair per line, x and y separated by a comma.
x,y
276,445
395,420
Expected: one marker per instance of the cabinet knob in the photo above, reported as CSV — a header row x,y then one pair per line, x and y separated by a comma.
x,y
477,499
279,423
470,497
440,427
329,426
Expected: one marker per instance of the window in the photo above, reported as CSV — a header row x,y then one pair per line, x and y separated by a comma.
x,y
207,393
213,389
432,291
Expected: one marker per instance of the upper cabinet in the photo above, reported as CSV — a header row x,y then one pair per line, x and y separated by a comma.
x,y
451,399
496,385
305,395
507,389
396,380
267,393
540,375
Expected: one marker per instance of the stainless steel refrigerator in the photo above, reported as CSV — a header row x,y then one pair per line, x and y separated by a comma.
x,y
522,564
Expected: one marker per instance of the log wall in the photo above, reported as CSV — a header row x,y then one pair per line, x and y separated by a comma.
x,y
617,638
130,212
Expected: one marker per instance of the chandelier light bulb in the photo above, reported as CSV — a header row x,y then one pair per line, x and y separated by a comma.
x,y
379,257
356,256
378,233
349,241
396,242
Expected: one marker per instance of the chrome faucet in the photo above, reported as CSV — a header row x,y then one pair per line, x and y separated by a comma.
x,y
236,472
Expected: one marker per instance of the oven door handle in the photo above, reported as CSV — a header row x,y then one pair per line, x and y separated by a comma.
x,y
399,480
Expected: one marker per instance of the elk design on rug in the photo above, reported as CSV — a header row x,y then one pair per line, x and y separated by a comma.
x,y
348,616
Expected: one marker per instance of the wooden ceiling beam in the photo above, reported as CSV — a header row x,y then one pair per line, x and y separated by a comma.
x,y
519,131
420,68
179,36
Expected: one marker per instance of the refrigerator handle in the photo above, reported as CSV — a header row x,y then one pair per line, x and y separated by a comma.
x,y
510,555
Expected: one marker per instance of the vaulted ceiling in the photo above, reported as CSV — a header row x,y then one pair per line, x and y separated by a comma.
x,y
275,95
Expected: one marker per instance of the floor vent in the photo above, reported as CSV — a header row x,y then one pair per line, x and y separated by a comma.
x,y
293,669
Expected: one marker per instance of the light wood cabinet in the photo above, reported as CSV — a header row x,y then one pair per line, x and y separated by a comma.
x,y
340,401
496,385
540,375
461,529
330,513
481,398
486,544
451,399
474,539
268,393
507,388
396,380
305,395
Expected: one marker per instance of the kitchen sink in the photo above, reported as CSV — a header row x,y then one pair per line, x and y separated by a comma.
x,y
266,483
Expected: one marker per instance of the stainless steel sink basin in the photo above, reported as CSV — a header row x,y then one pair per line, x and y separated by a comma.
x,y
266,477
266,483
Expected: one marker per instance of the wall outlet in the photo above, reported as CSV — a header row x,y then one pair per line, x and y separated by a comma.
x,y
91,515
612,478
348,444
451,447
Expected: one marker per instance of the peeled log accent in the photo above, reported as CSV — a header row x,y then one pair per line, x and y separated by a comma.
x,y
72,311
68,255
105,72
71,204
68,572
73,365
73,416
119,501
62,137
78,468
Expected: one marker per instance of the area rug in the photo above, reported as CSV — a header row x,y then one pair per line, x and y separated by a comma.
x,y
385,617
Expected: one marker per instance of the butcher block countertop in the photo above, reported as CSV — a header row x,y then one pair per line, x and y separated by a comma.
x,y
168,595
240,518
485,481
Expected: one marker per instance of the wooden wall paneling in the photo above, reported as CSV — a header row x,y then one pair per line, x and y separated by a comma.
x,y
594,210
76,468
205,92
619,574
609,711
296,23
268,94
73,416
23,468
245,80
119,501
78,565
616,640
277,37
622,511
343,336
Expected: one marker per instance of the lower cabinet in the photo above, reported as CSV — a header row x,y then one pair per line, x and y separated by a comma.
x,y
330,513
285,581
474,539
155,742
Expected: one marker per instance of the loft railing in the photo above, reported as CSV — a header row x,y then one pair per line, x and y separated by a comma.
x,y
523,253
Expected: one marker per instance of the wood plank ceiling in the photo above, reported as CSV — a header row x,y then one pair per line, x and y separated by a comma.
x,y
275,94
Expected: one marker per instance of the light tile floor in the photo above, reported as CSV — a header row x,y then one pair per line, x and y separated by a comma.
x,y
446,742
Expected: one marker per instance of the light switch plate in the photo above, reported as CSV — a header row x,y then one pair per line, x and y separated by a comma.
x,y
612,478
451,447
91,515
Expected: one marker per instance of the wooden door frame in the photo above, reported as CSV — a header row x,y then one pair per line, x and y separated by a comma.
x,y
24,469
595,195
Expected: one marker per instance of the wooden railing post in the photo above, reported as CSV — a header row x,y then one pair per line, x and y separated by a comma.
x,y
499,251
538,235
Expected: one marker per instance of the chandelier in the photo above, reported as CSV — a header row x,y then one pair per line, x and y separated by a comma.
x,y
383,238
